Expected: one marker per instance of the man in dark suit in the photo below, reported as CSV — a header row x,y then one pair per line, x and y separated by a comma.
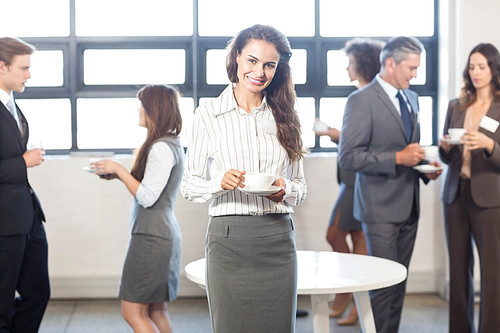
x,y
23,244
379,140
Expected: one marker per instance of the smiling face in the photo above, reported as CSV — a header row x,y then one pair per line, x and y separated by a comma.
x,y
14,76
257,65
479,71
399,75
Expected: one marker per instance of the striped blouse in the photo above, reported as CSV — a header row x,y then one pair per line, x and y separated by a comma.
x,y
227,137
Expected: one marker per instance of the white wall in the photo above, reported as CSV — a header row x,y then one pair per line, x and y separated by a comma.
x,y
88,230
88,218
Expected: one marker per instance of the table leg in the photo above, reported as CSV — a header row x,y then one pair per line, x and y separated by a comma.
x,y
319,309
365,312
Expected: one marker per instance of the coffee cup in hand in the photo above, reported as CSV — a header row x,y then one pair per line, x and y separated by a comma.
x,y
431,152
456,133
320,126
258,181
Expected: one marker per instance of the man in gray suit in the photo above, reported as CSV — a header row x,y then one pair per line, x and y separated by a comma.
x,y
379,140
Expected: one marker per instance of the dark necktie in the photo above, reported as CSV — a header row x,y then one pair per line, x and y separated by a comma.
x,y
405,115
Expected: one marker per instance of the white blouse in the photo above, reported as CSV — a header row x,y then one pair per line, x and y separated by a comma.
x,y
227,137
158,167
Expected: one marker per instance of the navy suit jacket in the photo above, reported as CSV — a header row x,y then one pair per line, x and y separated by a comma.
x,y
18,201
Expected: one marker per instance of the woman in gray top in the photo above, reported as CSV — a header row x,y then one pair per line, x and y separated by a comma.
x,y
151,271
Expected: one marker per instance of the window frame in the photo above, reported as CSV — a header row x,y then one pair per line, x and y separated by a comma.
x,y
195,85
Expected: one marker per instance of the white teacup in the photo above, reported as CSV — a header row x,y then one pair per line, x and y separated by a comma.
x,y
456,133
258,181
431,152
320,126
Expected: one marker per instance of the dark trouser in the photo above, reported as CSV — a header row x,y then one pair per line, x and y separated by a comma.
x,y
23,262
393,241
464,220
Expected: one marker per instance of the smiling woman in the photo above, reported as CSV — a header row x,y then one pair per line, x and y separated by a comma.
x,y
252,127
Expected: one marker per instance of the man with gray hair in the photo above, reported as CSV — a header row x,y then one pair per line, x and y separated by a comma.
x,y
380,141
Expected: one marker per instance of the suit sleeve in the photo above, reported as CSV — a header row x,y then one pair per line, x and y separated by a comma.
x,y
355,149
13,170
446,157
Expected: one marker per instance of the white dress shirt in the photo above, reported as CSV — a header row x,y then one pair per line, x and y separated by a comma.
x,y
5,98
392,92
227,137
158,167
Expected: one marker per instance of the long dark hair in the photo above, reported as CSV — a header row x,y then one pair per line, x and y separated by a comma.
x,y
163,119
468,94
280,93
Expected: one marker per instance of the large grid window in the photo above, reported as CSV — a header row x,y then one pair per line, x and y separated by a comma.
x,y
93,55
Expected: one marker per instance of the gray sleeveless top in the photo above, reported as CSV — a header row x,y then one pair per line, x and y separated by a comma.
x,y
159,219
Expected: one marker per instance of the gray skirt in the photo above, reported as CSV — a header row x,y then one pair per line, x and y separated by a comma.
x,y
151,269
345,207
251,275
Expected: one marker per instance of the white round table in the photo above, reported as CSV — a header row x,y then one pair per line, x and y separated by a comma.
x,y
324,274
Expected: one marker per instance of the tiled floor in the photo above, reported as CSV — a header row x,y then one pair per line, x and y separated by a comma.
x,y
422,313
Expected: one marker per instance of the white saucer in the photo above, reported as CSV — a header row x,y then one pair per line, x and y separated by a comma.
x,y
452,142
427,168
88,169
267,191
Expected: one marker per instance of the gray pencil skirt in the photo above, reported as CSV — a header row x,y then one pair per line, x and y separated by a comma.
x,y
251,275
151,269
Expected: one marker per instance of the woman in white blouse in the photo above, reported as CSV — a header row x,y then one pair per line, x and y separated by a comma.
x,y
251,127
151,271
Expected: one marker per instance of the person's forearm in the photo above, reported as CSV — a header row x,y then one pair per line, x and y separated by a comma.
x,y
130,182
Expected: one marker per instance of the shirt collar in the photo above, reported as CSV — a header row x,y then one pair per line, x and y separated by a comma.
x,y
5,97
388,88
228,103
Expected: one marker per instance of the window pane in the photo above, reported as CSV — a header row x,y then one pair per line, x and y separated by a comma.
x,y
47,18
217,74
49,121
377,18
331,112
292,19
216,67
46,69
337,62
298,64
421,71
305,109
425,119
134,66
109,123
134,18
186,104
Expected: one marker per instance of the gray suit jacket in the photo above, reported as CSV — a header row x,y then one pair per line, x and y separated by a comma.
x,y
372,133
